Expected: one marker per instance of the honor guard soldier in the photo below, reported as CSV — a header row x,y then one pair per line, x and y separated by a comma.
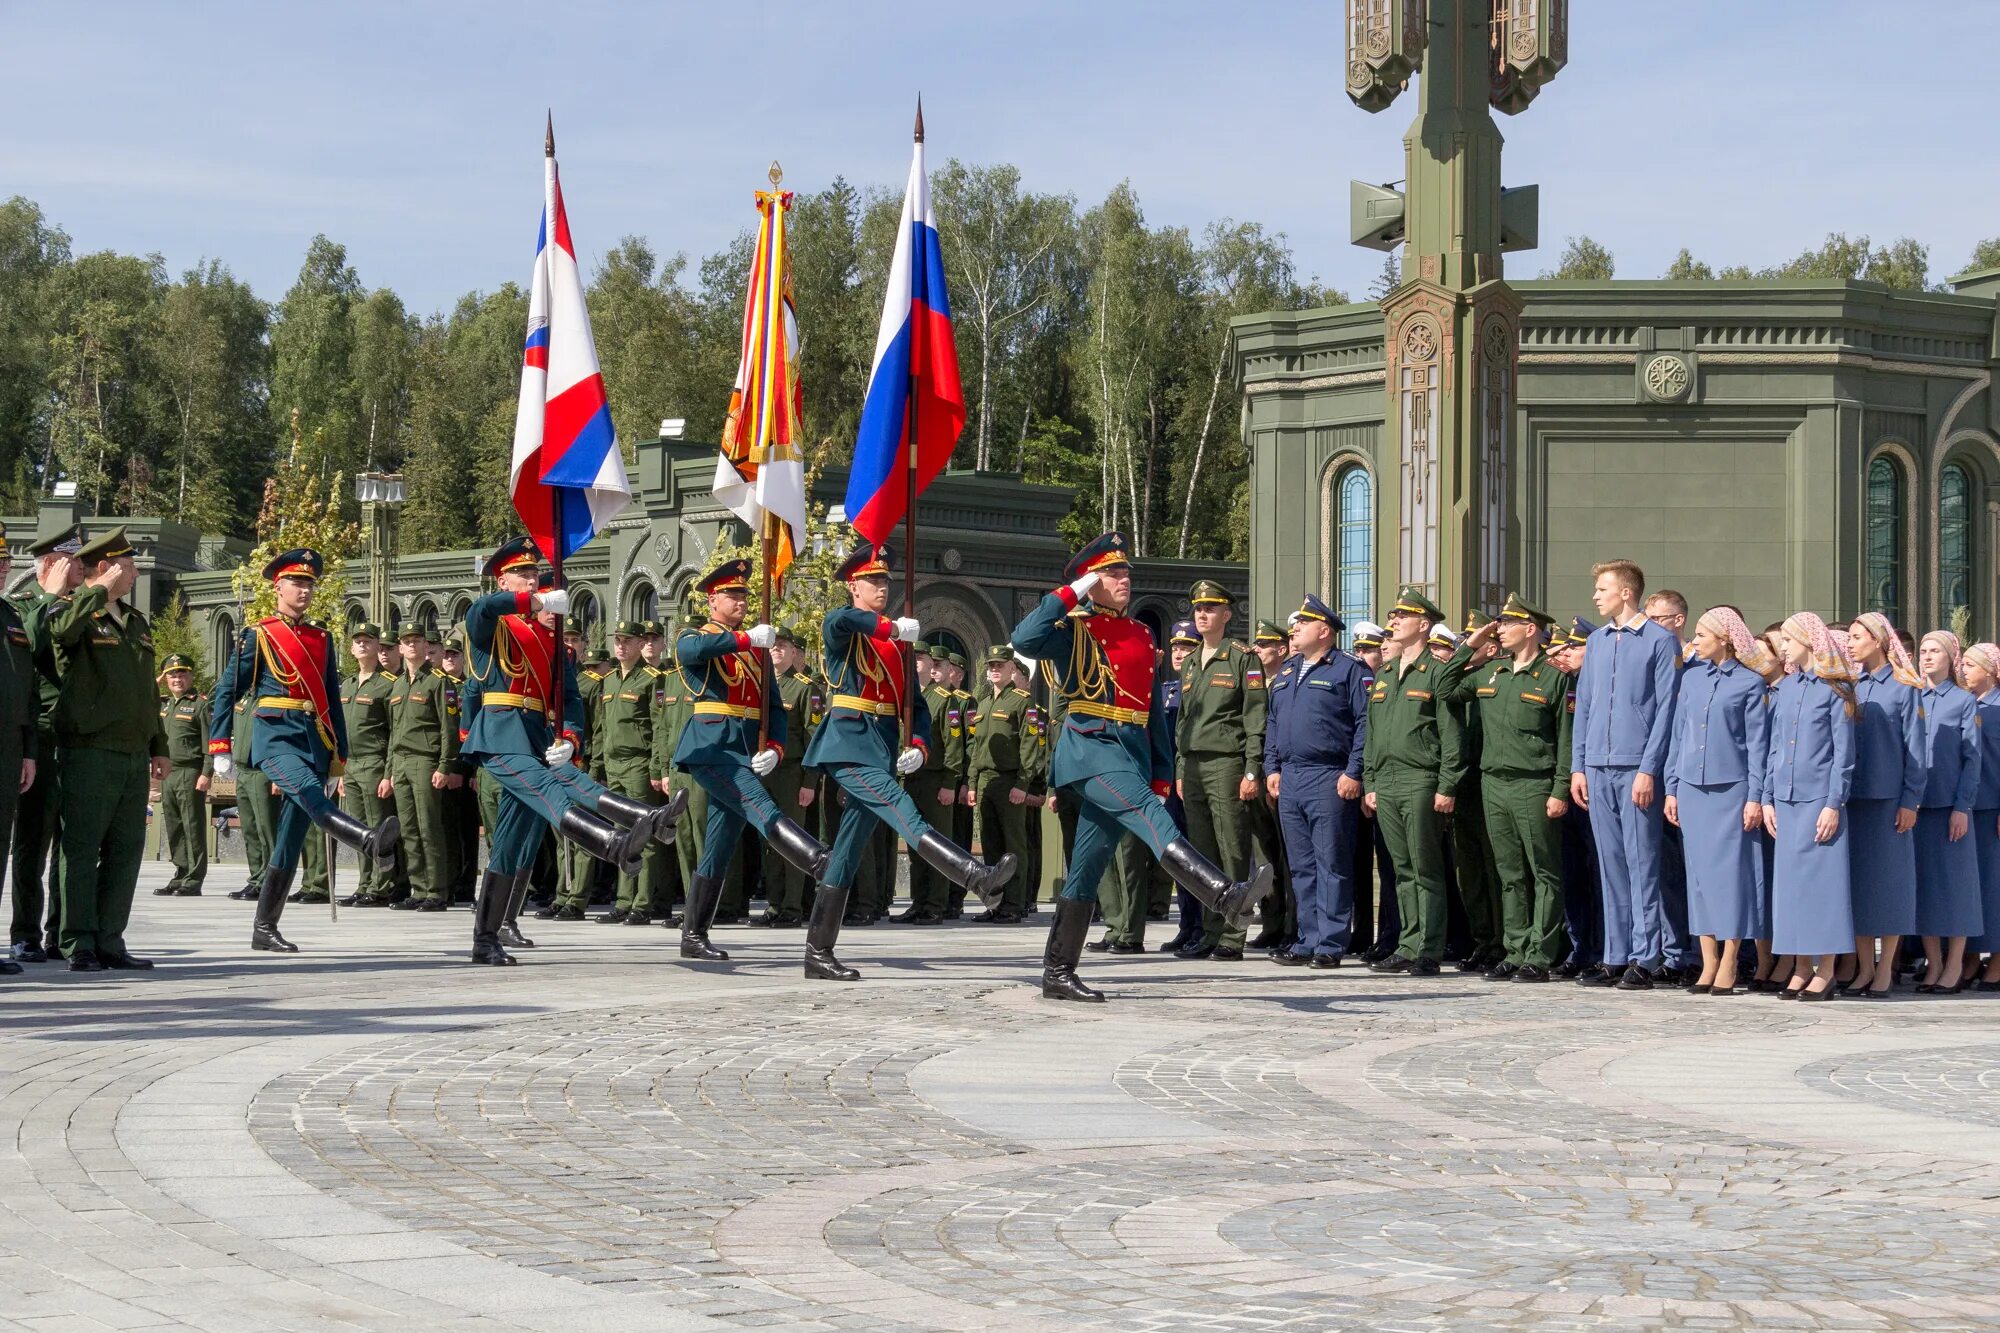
x,y
728,673
1000,778
515,740
184,791
1314,741
1221,749
1113,756
37,871
1411,776
935,785
622,750
1475,936
1522,706
19,707
423,763
868,676
286,665
366,789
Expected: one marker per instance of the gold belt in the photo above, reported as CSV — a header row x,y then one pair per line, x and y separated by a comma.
x,y
1136,716
709,708
280,701
501,699
860,705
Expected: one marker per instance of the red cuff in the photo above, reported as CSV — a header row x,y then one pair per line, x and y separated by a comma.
x,y
1163,789
524,603
775,748
921,744
220,745
742,642
464,736
1068,595
571,737
885,628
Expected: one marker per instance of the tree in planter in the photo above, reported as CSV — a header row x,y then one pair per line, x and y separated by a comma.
x,y
173,634
302,504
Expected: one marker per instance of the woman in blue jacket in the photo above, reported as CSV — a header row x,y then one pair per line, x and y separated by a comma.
x,y
1948,906
1882,809
1715,780
1980,670
1806,783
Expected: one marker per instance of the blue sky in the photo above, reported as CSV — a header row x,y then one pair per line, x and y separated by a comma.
x,y
1744,129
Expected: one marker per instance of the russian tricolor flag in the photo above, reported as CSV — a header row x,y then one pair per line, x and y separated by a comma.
x,y
914,382
567,477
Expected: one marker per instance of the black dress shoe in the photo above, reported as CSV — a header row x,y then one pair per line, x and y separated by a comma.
x,y
1131,947
407,904
1376,953
433,905
1566,970
1156,914
244,894
547,913
125,962
188,891
1100,945
83,960
1224,954
1529,975
166,891
27,951
1636,978
638,918
1424,967
1267,938
296,896
1195,949
1325,962
988,916
616,916
1177,943
568,912
738,918
1395,962
1499,972
351,900
856,919
1286,958
1470,963
1600,976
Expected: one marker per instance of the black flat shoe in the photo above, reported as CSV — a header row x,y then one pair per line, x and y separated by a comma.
x,y
1100,946
1499,972
125,962
1194,949
166,891
1395,962
83,960
1326,962
403,904
26,951
1700,989
1424,967
1524,976
1122,947
1177,943
1284,958
1221,954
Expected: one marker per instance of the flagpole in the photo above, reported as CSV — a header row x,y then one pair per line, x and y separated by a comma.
x,y
560,669
910,504
768,543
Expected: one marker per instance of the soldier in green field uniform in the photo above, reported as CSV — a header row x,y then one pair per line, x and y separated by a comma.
x,y
804,702
37,863
621,730
461,804
999,782
675,702
1524,761
184,791
1035,760
934,787
1410,777
1220,754
1280,912
576,881
423,765
1471,855
962,811
365,790
18,717
108,735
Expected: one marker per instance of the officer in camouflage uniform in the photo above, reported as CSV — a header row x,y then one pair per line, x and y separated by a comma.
x,y
1411,774
804,702
37,915
1221,753
1001,773
184,791
621,730
365,789
423,765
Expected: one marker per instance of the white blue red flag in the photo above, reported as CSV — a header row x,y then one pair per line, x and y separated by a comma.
x,y
914,411
568,477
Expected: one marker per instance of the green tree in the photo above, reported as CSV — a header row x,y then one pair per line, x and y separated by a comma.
x,y
1686,268
106,409
1388,278
312,351
383,339
644,322
32,253
1986,254
464,391
173,634
303,504
1583,259
837,317
1903,264
209,355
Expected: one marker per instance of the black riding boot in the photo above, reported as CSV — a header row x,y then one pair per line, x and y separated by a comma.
x,y
510,926
799,848
966,870
604,840
704,892
1065,946
1232,901
378,842
658,820
496,891
822,930
270,906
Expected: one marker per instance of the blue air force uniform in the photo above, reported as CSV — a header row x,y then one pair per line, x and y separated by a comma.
x,y
1948,900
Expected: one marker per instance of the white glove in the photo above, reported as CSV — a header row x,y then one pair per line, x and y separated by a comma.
x,y
224,765
555,601
909,761
907,629
1083,585
762,636
764,762
558,754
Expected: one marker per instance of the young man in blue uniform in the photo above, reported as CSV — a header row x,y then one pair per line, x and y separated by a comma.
x,y
1112,757
287,665
1314,738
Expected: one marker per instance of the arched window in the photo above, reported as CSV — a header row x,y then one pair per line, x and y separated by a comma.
x,y
1882,560
1954,541
1354,545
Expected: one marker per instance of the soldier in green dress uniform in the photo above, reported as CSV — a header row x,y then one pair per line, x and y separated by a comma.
x,y
620,712
37,865
365,789
1280,912
1411,775
1471,877
18,715
1220,753
934,786
111,746
967,701
184,791
1001,773
423,764
804,702
461,803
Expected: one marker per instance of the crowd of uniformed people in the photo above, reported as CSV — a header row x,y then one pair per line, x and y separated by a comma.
x,y
1521,799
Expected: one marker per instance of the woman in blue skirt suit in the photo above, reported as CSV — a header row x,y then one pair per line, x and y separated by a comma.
x,y
1980,670
1948,906
1806,783
1715,781
1882,809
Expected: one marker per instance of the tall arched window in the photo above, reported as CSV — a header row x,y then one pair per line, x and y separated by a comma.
x,y
1882,564
1354,544
1954,541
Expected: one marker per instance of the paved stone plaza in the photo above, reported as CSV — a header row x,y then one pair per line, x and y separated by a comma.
x,y
373,1135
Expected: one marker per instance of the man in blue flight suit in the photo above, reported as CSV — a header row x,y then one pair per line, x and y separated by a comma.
x,y
287,665
1112,757
1313,743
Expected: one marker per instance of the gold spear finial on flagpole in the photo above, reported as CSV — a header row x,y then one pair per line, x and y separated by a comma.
x,y
549,136
920,117
776,174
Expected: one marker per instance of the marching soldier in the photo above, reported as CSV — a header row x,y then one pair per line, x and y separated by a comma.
x,y
37,915
184,791
285,664
867,676
18,722
934,786
366,791
622,750
1221,747
423,764
804,703
1280,912
1411,774
1001,774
